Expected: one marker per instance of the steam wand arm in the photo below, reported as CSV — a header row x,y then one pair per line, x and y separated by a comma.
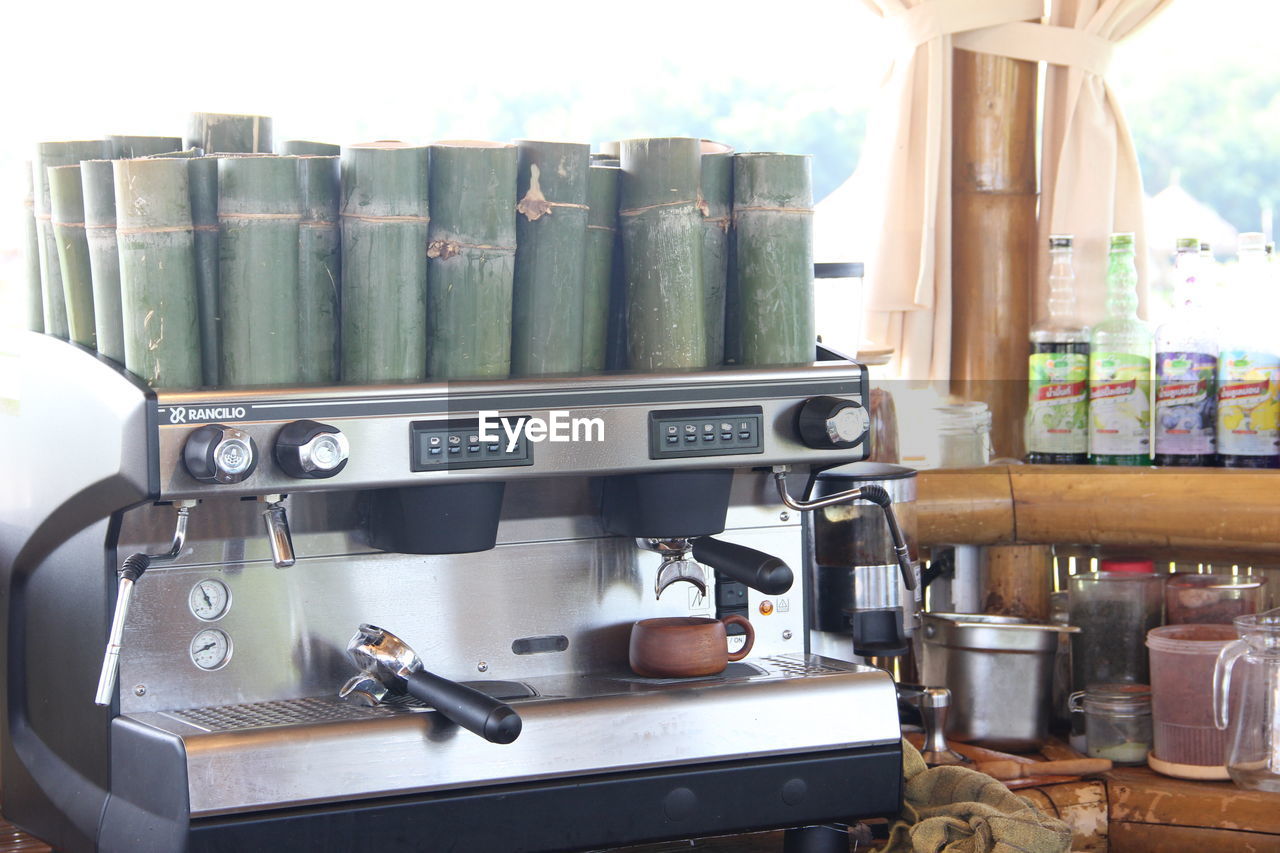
x,y
872,493
129,572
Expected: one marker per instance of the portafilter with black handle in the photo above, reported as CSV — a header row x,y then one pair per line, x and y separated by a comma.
x,y
390,667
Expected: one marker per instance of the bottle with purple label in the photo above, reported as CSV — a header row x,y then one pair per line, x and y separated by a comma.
x,y
1186,371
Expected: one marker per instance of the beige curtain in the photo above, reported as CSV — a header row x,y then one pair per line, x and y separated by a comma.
x,y
1089,172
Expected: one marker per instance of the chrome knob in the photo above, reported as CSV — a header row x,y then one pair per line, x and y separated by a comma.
x,y
827,423
311,450
215,453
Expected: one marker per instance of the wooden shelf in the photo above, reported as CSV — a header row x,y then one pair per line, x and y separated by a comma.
x,y
1193,509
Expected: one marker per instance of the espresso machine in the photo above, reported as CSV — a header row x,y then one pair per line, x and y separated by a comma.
x,y
398,616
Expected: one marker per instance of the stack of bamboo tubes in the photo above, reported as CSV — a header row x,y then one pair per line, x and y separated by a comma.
x,y
220,264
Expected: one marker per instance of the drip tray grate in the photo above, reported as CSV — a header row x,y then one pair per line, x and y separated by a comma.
x,y
286,712
797,666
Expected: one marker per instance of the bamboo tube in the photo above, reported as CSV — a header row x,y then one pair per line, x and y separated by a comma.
x,y
384,262
1017,580
49,154
31,258
184,154
617,335
202,183
551,255
67,202
716,194
99,184
307,148
965,506
319,270
662,253
773,259
472,248
602,233
157,272
124,147
218,133
259,211
604,158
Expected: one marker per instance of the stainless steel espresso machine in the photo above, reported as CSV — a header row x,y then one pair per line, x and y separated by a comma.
x,y
397,616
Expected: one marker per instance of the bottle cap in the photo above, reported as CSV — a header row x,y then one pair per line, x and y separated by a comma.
x,y
1188,244
1122,240
1251,241
1060,241
1127,567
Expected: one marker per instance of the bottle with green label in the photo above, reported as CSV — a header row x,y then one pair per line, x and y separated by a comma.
x,y
1249,365
1056,430
1120,368
1186,369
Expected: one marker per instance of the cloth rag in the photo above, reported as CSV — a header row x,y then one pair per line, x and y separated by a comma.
x,y
957,810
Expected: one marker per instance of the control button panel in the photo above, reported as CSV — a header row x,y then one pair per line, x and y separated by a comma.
x,y
706,432
435,445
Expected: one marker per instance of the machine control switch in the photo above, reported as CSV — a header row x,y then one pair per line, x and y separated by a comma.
x,y
309,450
216,453
827,423
723,431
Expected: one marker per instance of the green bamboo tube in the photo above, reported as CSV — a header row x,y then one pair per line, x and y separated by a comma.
x,y
123,147
716,190
773,224
157,272
31,258
662,253
307,148
218,133
259,211
551,256
66,198
50,154
319,270
472,248
384,262
99,184
202,183
602,231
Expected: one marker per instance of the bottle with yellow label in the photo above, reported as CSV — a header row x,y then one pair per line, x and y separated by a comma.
x,y
1249,366
1120,368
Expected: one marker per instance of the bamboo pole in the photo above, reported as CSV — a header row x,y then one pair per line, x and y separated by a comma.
x,y
157,272
716,195
993,240
1017,580
218,133
98,183
66,199
548,297
124,147
319,270
472,259
50,154
773,258
259,211
602,232
662,253
384,262
31,258
307,148
202,183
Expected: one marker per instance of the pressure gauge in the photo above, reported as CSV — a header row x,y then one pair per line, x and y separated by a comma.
x,y
210,649
209,599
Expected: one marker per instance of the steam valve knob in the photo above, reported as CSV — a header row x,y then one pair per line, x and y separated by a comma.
x,y
311,451
832,422
215,453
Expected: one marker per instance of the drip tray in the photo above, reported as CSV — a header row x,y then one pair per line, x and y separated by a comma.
x,y
733,670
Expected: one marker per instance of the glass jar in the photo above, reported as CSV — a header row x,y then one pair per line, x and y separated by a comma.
x,y
1117,721
964,435
1211,599
1114,611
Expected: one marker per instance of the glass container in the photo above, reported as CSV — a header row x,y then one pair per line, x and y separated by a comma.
x,y
1211,599
1246,698
1117,721
1114,611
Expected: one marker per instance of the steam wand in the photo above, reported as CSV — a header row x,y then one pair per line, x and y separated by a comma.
x,y
870,492
129,572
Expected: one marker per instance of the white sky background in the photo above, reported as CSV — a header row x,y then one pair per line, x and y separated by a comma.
x,y
352,71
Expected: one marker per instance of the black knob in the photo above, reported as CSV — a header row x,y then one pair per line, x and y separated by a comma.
x,y
215,453
311,450
833,422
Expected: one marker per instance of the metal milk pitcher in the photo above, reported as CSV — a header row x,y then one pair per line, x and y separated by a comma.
x,y
1246,700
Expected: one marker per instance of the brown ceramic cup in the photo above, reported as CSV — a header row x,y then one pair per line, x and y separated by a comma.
x,y
685,646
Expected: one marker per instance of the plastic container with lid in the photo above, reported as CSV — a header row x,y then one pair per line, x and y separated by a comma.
x,y
1186,741
1114,609
1211,599
1117,721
